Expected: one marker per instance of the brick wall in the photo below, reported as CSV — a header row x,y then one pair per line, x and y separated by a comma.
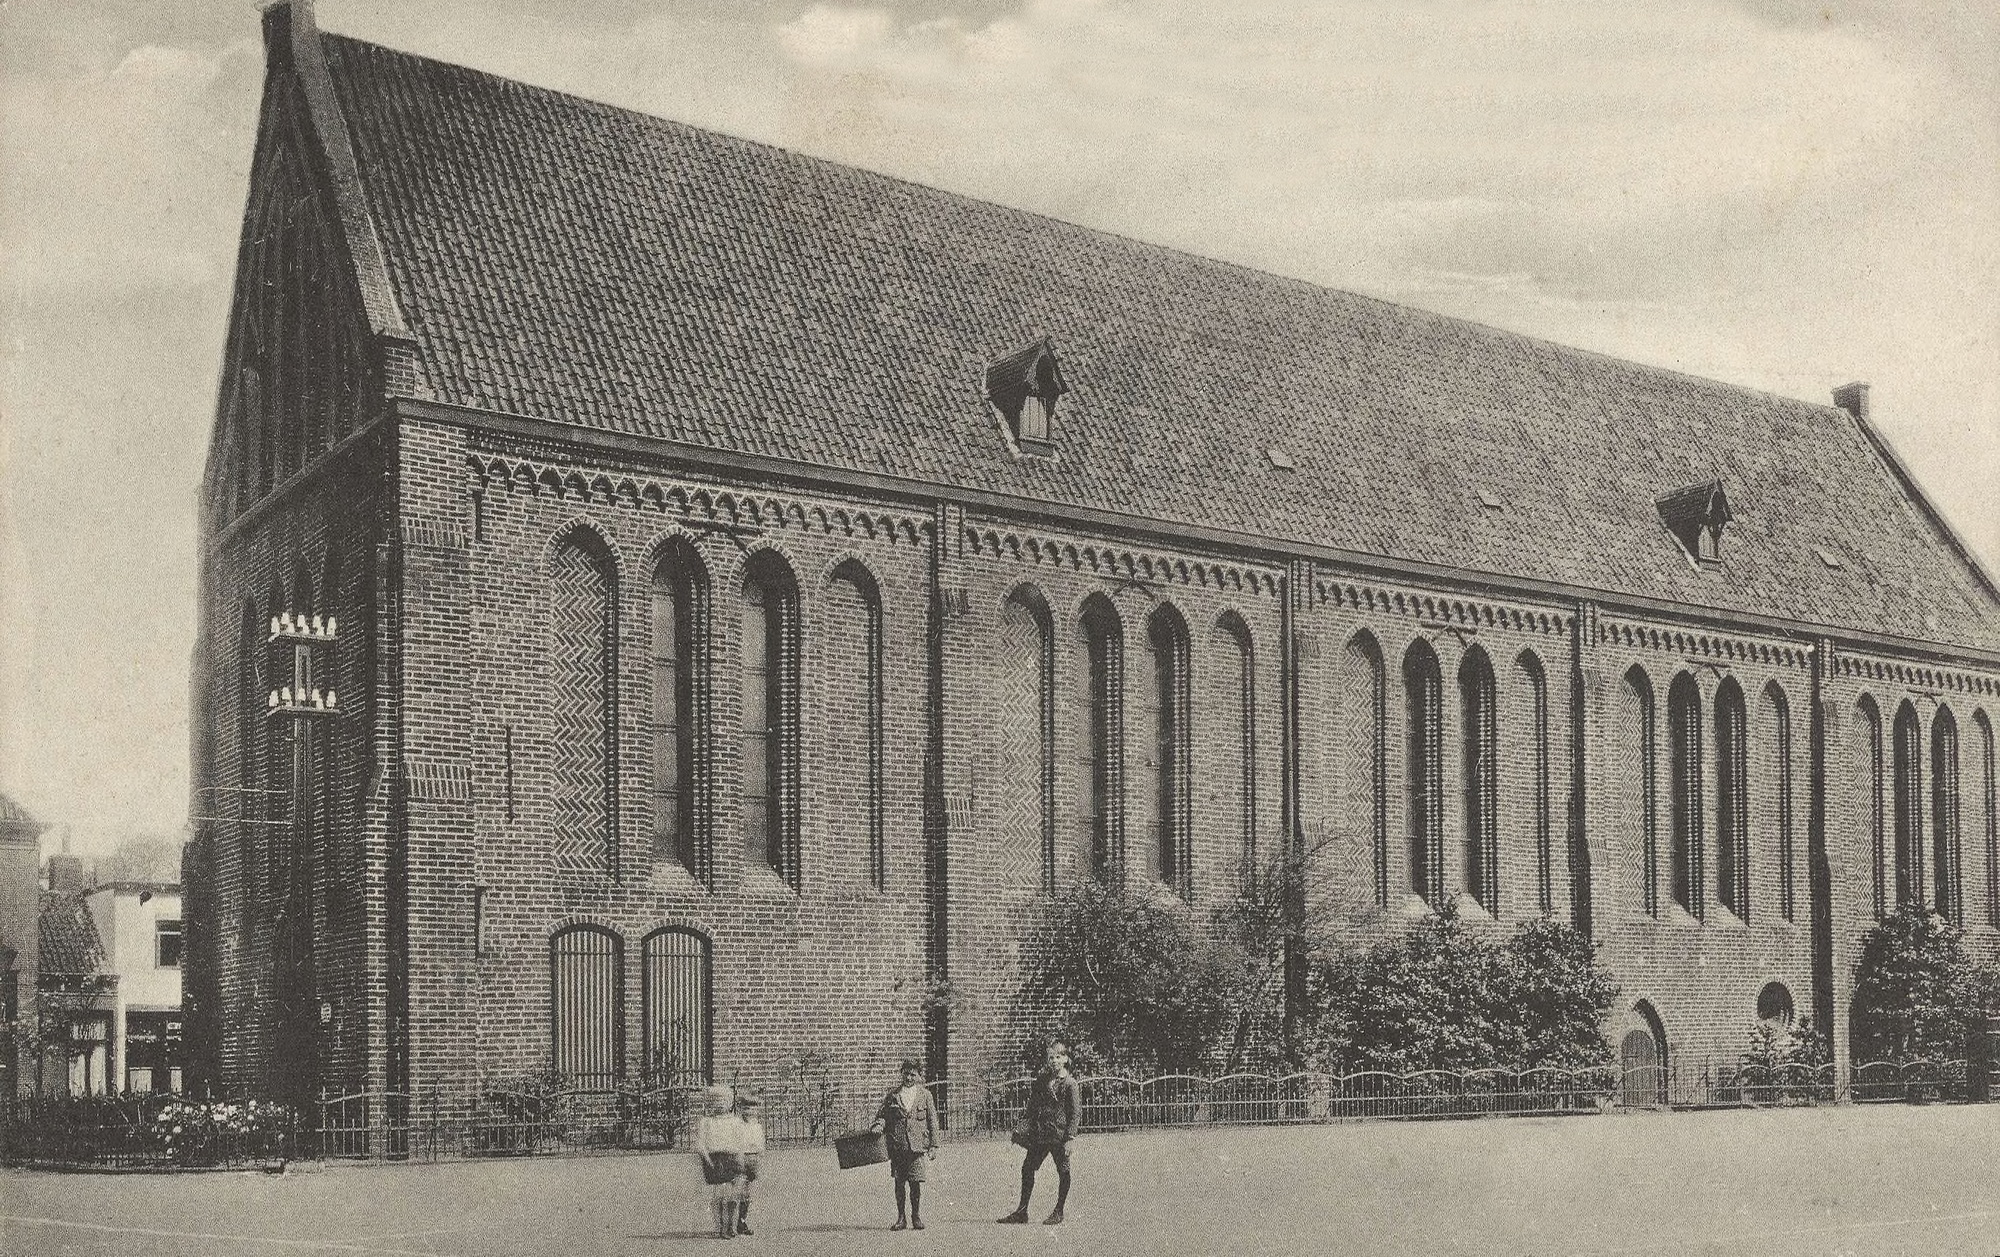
x,y
839,966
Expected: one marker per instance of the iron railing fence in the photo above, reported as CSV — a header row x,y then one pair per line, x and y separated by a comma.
x,y
451,1123
154,1131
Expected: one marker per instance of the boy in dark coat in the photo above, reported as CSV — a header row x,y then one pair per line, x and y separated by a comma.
x,y
908,1122
1055,1110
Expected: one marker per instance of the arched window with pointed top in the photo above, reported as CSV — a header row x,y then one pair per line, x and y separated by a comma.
x,y
1869,775
681,689
1732,801
854,644
1424,770
1534,685
1947,894
1906,784
1166,777
769,725
1987,809
1639,782
1026,725
1103,736
1239,718
1480,723
1776,778
1364,798
1685,804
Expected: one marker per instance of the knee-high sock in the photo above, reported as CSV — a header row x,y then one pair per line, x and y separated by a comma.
x,y
1062,1188
916,1199
900,1185
1027,1185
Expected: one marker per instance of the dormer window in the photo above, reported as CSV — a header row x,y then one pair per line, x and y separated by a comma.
x,y
1696,517
1024,387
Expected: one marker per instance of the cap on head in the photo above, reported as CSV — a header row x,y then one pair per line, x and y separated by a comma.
x,y
717,1096
911,1065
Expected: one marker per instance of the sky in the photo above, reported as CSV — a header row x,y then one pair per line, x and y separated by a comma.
x,y
1782,195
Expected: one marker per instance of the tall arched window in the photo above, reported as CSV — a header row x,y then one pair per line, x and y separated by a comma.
x,y
1103,737
680,655
1869,775
582,668
854,610
1684,753
1947,891
1534,687
678,993
1478,710
1166,766
1364,764
1640,771
586,984
1907,783
770,723
1423,691
1239,662
1777,772
1732,801
1988,811
1026,724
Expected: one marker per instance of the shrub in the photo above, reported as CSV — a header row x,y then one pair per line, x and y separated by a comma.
x,y
1916,991
1136,977
1442,998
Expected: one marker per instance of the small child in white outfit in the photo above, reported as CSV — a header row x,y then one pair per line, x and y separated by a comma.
x,y
750,1137
718,1140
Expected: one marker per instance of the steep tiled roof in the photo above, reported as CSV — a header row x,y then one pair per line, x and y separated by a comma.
x,y
12,813
70,946
578,263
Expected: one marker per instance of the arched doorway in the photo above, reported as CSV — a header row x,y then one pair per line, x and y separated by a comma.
x,y
1642,1058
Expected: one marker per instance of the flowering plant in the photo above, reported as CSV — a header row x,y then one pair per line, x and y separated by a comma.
x,y
204,1132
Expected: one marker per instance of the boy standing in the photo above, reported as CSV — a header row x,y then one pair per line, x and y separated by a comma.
x,y
908,1122
1055,1109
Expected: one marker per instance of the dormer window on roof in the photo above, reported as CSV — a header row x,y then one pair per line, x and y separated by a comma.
x,y
1696,517
1024,387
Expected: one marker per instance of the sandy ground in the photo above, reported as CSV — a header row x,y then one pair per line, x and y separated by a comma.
x,y
1863,1181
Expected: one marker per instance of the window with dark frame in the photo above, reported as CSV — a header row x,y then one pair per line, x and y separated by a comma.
x,y
1684,755
1423,688
167,944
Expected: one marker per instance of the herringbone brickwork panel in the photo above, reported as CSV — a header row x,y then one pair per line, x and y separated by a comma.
x,y
1016,715
580,596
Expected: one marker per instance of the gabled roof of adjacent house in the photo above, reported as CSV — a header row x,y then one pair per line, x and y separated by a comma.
x,y
70,946
566,260
12,813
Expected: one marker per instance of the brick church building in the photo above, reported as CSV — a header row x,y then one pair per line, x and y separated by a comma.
x,y
669,602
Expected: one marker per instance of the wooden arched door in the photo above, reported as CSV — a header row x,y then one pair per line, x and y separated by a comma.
x,y
1645,1079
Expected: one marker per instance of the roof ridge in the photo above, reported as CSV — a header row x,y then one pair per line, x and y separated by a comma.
x,y
1312,286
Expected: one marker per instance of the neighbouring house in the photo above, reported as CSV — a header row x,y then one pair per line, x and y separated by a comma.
x,y
76,992
667,603
20,933
138,926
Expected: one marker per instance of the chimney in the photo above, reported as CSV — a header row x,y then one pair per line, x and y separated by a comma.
x,y
1853,398
66,875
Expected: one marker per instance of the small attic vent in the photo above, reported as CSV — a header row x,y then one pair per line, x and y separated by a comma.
x,y
1280,460
1024,387
1490,502
1829,558
1696,517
